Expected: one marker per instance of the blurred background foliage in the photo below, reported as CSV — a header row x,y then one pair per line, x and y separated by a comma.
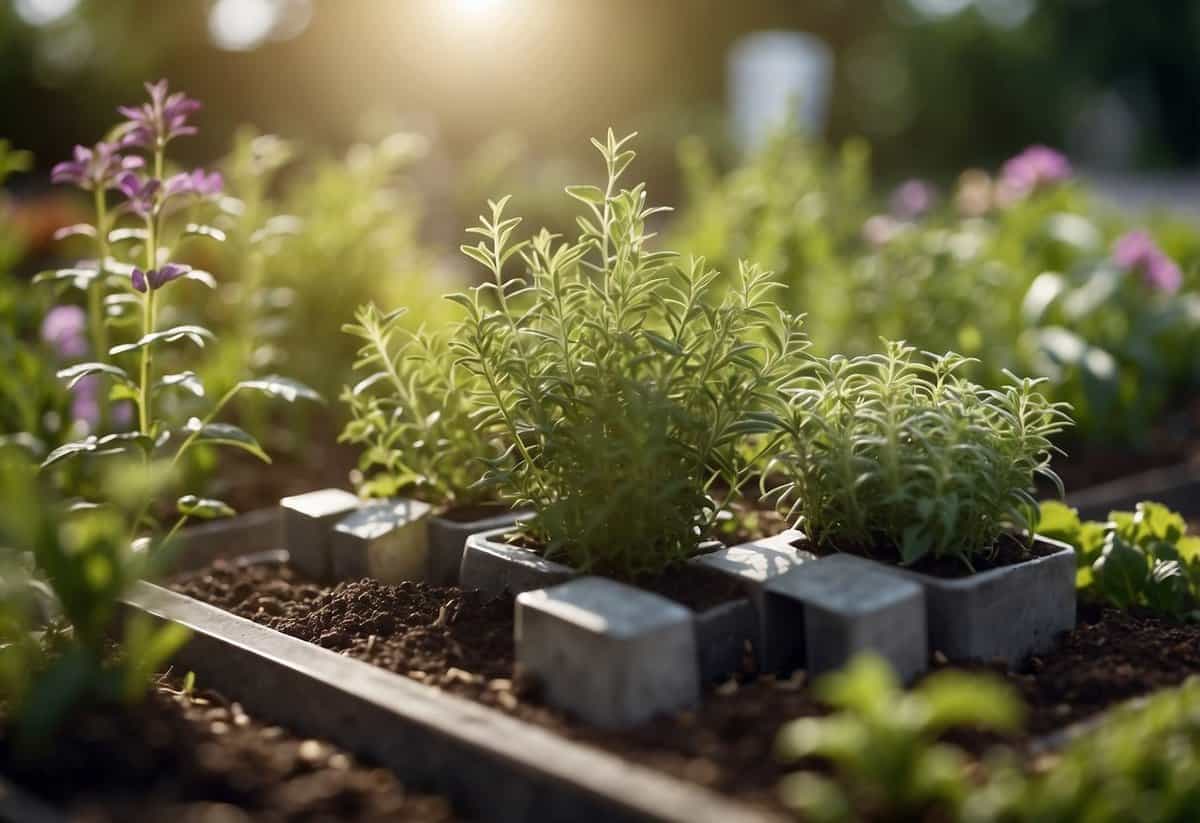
x,y
936,85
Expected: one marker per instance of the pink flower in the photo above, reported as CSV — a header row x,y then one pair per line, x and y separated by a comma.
x,y
65,329
1136,251
1034,168
912,198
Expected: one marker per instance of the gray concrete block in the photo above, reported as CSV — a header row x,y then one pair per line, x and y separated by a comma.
x,y
754,565
447,539
841,605
612,654
493,566
723,633
1001,614
308,521
386,540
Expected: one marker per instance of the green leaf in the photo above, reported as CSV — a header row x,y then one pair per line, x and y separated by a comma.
x,y
203,508
1059,521
196,334
73,374
225,434
592,195
108,444
187,380
79,278
1120,573
283,387
201,230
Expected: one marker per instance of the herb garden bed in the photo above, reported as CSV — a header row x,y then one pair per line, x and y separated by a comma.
x,y
462,643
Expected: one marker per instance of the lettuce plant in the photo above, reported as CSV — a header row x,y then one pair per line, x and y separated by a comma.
x,y
883,744
142,212
1139,559
616,381
903,455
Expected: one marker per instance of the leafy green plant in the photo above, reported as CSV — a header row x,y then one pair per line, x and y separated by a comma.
x,y
1139,559
1142,762
883,744
892,453
154,213
78,561
615,380
414,414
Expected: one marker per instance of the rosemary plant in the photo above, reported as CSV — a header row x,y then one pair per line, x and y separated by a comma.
x,y
620,378
892,453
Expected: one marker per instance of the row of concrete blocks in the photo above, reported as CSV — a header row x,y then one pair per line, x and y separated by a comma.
x,y
616,655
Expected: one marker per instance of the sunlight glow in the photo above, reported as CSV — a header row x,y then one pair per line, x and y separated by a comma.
x,y
43,12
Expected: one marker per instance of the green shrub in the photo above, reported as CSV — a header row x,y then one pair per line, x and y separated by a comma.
x,y
1139,559
890,452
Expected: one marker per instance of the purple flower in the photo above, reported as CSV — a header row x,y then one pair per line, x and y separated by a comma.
x,y
159,121
1136,251
912,198
65,329
157,278
1033,168
196,182
85,400
139,192
95,168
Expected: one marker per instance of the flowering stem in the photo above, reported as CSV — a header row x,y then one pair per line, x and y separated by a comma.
x,y
99,331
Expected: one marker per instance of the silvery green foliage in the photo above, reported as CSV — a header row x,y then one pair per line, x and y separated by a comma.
x,y
621,378
895,453
412,414
606,387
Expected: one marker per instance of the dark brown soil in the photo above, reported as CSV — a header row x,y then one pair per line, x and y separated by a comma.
x,y
200,757
462,642
1008,551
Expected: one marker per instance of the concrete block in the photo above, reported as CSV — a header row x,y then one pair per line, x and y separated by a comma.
x,y
1001,614
612,654
308,521
386,540
723,633
841,605
754,565
448,537
493,566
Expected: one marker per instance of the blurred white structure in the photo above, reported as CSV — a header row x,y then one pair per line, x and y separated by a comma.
x,y
774,76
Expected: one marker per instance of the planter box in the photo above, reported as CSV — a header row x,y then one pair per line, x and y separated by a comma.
x,y
332,535
493,566
1001,614
492,766
448,538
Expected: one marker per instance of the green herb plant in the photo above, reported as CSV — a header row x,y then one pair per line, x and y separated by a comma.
x,y
413,415
1139,559
618,379
883,744
77,561
902,455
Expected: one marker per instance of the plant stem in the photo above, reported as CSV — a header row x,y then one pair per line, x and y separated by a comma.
x,y
96,324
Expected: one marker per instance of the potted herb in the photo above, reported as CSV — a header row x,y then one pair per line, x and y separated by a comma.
x,y
414,417
900,460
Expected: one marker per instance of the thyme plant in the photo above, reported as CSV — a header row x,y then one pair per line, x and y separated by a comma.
x,y
620,378
893,453
135,240
413,414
